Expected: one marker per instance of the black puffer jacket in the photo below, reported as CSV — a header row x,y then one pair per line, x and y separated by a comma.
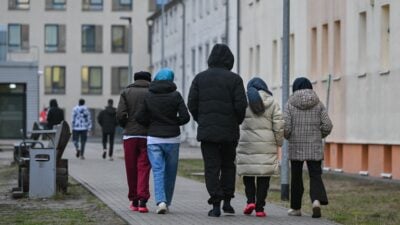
x,y
107,119
54,116
163,110
217,99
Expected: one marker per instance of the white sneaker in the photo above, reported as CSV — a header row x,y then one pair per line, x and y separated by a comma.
x,y
162,208
316,208
294,212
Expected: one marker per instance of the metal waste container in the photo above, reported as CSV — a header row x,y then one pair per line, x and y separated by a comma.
x,y
42,172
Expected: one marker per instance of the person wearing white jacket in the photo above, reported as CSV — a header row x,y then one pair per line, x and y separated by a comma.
x,y
81,125
260,136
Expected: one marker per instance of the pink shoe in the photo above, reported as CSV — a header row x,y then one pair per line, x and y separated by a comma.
x,y
143,209
261,214
249,208
133,208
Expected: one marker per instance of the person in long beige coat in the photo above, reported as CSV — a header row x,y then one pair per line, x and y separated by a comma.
x,y
306,124
261,134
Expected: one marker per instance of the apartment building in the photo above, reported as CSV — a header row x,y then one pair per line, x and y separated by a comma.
x,y
82,46
191,28
354,42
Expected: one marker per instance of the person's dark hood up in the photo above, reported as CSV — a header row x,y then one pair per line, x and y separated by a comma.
x,y
221,57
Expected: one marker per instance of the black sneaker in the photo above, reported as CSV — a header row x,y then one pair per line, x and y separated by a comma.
x,y
104,154
77,153
228,209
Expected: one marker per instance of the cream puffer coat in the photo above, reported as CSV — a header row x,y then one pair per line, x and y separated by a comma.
x,y
260,136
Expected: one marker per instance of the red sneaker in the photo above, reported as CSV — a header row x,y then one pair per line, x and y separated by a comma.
x,y
261,214
249,208
143,209
133,208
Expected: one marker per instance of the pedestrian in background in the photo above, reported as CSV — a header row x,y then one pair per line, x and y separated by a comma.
x,y
43,118
108,122
217,102
55,115
137,164
81,126
261,135
306,124
163,111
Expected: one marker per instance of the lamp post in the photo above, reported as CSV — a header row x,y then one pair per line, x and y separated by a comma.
x,y
129,46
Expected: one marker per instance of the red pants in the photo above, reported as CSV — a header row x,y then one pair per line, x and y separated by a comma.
x,y
137,168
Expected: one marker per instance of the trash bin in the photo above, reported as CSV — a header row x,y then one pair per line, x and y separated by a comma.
x,y
42,172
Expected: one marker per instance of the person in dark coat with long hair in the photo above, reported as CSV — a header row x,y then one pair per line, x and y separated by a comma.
x,y
55,115
217,102
306,123
108,122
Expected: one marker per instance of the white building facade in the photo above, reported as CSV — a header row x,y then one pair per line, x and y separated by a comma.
x,y
191,29
82,46
355,42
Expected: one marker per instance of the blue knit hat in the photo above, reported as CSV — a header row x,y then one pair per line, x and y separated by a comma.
x,y
165,74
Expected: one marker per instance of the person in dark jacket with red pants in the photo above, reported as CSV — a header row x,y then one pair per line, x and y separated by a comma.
x,y
108,122
135,141
217,102
163,112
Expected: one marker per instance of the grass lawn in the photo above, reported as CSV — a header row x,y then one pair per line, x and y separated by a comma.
x,y
77,206
352,200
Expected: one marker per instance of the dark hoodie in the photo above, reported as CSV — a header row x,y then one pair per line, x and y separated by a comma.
x,y
107,119
217,99
163,110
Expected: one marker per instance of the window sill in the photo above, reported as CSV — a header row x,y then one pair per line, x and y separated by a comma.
x,y
362,75
338,78
383,73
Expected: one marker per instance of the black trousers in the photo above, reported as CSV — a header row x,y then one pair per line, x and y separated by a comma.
x,y
256,194
219,169
111,138
317,188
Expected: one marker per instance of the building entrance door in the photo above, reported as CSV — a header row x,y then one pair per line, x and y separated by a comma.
x,y
12,110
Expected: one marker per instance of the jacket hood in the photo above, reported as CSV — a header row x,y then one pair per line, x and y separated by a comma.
x,y
304,99
266,98
110,110
162,87
139,83
221,57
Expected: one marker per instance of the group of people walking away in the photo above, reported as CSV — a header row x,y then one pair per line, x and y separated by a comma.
x,y
239,131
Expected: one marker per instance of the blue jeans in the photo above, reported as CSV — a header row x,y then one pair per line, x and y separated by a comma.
x,y
79,134
164,163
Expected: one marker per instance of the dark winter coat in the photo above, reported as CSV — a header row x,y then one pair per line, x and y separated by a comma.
x,y
163,110
217,99
54,116
130,101
107,119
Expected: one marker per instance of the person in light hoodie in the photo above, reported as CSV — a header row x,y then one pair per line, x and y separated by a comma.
x,y
306,123
81,125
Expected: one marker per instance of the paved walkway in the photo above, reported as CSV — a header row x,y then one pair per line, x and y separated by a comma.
x,y
107,180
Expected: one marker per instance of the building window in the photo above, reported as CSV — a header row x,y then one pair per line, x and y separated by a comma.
x,y
292,57
193,61
200,57
207,52
251,60
122,5
337,49
54,80
385,38
275,65
54,38
92,38
325,51
119,39
200,8
18,4
119,79
55,4
362,43
314,52
92,5
92,79
18,37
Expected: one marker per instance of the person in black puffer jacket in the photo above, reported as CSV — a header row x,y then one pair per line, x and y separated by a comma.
x,y
108,122
55,115
163,112
217,102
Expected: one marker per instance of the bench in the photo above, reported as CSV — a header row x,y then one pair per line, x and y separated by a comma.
x,y
57,139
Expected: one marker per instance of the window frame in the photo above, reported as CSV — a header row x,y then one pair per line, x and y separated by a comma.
x,y
91,48
20,47
61,90
91,89
118,79
89,5
19,4
123,48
